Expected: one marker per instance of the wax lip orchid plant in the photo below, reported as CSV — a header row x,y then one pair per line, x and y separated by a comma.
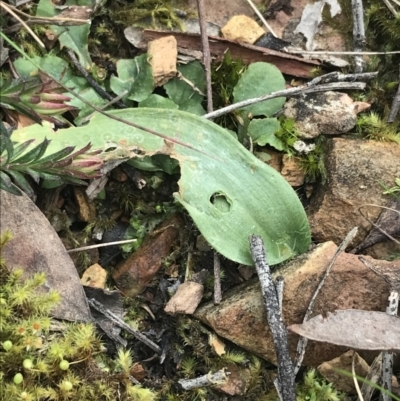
x,y
39,97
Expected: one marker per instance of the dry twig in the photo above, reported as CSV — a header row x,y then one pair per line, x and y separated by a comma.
x,y
206,53
285,384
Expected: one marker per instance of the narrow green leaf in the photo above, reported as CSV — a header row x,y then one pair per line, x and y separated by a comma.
x,y
5,179
20,148
21,182
42,174
35,176
7,146
12,189
58,155
31,156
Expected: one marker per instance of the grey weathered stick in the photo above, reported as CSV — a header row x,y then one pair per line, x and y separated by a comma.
x,y
287,93
358,32
120,323
286,386
327,53
257,11
86,248
302,344
217,279
336,76
219,377
373,376
206,53
279,285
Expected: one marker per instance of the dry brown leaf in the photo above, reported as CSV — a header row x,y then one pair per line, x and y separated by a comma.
x,y
353,328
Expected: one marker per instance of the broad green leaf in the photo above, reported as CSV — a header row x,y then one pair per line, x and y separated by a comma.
x,y
158,102
80,86
262,132
54,66
135,76
258,80
185,92
228,192
71,37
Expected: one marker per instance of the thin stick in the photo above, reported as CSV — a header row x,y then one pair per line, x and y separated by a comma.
x,y
92,82
257,11
375,225
286,385
302,344
206,53
358,32
219,377
217,279
287,93
46,20
327,53
86,248
390,7
279,285
23,23
106,106
120,323
353,372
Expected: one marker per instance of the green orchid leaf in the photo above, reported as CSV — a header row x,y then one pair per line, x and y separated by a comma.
x,y
135,76
188,91
52,65
262,132
227,191
72,37
258,80
158,102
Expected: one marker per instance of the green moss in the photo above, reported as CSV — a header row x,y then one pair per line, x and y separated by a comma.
x,y
314,387
38,363
148,13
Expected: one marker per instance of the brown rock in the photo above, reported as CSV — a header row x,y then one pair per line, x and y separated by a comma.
x,y
241,28
329,113
237,381
35,248
87,210
163,55
292,171
356,169
241,317
138,270
94,276
186,299
344,362
276,159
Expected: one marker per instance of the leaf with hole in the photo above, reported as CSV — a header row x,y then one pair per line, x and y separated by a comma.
x,y
227,191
